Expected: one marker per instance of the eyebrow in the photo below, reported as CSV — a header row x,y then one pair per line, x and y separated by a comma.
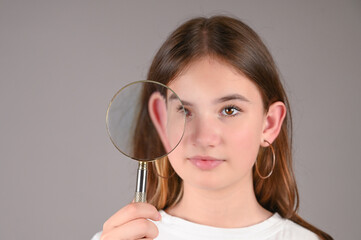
x,y
226,98
235,96
175,97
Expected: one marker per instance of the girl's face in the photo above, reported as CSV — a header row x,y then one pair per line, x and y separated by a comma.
x,y
224,126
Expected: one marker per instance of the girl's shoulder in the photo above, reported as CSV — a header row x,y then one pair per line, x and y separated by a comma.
x,y
292,230
97,236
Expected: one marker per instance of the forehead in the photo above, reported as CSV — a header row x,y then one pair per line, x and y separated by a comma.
x,y
209,78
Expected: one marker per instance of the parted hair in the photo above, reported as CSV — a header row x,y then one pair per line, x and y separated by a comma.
x,y
234,42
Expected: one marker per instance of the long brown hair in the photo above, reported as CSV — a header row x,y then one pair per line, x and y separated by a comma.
x,y
236,43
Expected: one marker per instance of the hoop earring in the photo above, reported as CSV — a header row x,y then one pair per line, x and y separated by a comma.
x,y
273,162
157,170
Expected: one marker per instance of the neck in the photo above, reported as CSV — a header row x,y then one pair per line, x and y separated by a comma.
x,y
231,207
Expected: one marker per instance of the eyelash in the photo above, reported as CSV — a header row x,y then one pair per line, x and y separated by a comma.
x,y
231,107
181,109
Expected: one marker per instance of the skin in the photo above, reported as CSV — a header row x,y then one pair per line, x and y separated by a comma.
x,y
230,130
131,222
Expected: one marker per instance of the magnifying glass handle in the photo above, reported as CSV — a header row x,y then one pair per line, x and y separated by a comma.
x,y
141,188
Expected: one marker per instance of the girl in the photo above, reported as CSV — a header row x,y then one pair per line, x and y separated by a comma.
x,y
231,176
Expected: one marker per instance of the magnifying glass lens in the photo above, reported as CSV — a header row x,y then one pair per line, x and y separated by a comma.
x,y
145,121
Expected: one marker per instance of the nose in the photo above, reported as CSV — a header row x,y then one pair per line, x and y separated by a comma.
x,y
205,132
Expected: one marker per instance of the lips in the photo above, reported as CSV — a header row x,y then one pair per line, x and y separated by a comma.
x,y
205,162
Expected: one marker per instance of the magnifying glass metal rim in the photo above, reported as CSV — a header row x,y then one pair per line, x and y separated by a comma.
x,y
141,184
107,120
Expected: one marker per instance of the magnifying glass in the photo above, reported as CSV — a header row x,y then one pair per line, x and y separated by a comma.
x,y
145,121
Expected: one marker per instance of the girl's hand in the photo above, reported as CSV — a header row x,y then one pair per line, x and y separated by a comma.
x,y
131,222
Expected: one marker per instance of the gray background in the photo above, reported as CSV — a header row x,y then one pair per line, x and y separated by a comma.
x,y
61,62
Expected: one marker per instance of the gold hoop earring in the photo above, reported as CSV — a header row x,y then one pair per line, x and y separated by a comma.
x,y
273,162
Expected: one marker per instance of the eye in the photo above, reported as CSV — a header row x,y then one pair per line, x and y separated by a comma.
x,y
230,111
184,110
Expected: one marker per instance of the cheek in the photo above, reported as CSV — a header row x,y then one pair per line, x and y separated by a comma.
x,y
243,142
175,128
175,158
246,137
174,136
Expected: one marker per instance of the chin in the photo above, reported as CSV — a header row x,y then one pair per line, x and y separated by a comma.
x,y
209,183
218,182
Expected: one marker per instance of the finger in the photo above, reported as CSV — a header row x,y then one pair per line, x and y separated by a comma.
x,y
136,229
131,212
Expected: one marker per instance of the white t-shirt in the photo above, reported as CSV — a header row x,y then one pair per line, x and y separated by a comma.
x,y
274,228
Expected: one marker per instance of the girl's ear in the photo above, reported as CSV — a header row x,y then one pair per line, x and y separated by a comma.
x,y
157,108
273,122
